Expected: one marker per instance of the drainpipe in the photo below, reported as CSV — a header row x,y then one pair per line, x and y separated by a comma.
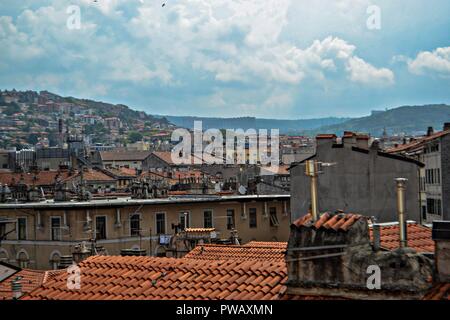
x,y
312,172
401,187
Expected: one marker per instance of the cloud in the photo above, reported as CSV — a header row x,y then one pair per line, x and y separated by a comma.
x,y
431,63
255,57
363,72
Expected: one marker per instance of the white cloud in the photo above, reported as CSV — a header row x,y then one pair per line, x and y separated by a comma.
x,y
232,54
363,72
436,62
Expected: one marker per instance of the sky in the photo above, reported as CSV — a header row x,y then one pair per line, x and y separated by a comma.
x,y
280,59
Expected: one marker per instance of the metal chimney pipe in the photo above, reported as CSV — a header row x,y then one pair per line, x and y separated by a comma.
x,y
16,288
312,172
401,187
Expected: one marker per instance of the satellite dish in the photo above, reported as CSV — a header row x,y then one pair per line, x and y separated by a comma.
x,y
242,190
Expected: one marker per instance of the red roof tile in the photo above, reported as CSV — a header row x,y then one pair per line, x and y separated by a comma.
x,y
150,278
92,175
30,280
267,244
417,143
439,291
419,237
326,136
335,221
242,253
42,178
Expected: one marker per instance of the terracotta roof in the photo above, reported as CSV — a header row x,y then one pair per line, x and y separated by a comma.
x,y
439,291
122,172
337,222
419,237
92,175
326,136
31,279
164,156
43,178
151,278
267,244
242,253
124,156
417,143
199,230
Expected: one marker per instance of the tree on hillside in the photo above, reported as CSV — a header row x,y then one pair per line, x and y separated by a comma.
x,y
11,109
134,136
33,139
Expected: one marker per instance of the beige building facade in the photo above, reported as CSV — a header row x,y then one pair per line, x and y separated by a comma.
x,y
36,235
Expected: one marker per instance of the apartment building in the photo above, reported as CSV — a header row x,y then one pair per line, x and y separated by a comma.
x,y
359,178
37,235
433,150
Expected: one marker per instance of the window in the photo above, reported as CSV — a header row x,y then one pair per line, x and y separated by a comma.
x,y
184,220
54,261
230,219
21,228
252,218
207,219
273,217
434,206
135,225
100,228
23,260
55,223
160,223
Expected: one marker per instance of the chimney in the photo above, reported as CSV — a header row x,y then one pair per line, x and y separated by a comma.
x,y
430,131
376,232
446,126
349,139
362,141
16,288
401,187
325,138
441,237
312,170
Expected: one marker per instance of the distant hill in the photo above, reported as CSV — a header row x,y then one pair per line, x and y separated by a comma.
x,y
102,109
125,113
285,126
402,120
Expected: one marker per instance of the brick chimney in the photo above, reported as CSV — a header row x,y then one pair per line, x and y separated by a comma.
x,y
446,126
333,257
430,131
325,138
349,139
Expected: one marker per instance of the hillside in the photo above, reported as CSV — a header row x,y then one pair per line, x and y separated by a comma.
x,y
285,126
402,120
